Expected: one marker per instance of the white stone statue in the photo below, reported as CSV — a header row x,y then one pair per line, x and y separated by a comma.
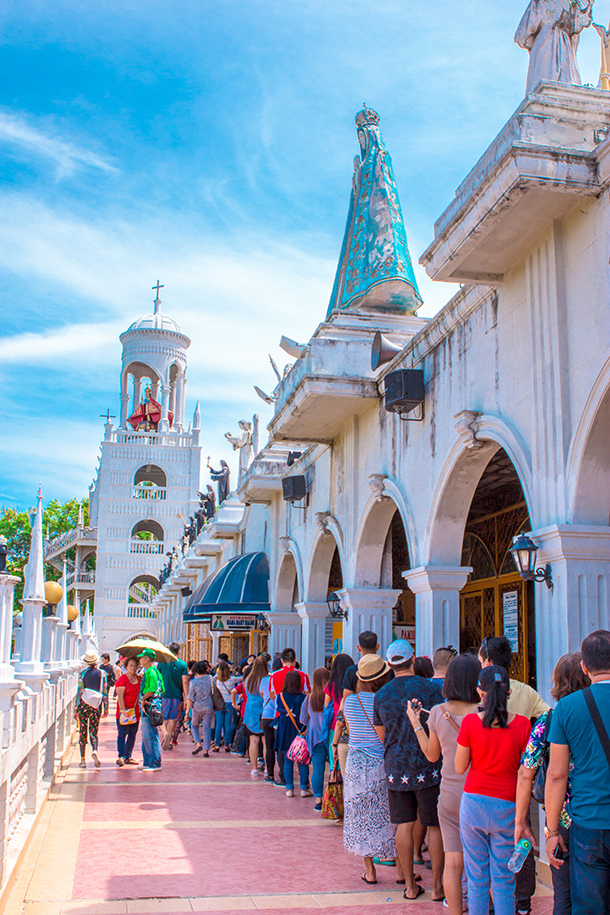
x,y
550,31
246,443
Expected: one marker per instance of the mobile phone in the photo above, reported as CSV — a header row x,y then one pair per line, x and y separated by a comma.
x,y
559,852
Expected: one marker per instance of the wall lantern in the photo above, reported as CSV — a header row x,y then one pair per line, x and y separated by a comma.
x,y
524,552
334,607
3,553
262,623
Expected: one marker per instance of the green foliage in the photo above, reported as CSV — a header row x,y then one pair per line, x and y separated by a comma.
x,y
58,517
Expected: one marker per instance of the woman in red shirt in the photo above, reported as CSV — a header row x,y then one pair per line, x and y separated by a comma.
x,y
127,689
491,742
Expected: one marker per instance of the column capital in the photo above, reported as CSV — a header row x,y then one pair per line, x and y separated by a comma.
x,y
283,619
572,541
437,578
311,610
8,582
369,598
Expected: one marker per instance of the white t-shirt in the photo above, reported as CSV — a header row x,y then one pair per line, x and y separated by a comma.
x,y
225,687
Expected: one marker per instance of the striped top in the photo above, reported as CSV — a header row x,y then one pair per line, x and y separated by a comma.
x,y
362,735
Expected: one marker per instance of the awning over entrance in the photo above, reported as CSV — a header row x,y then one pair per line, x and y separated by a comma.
x,y
240,587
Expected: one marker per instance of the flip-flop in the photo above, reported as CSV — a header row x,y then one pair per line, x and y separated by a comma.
x,y
439,899
370,882
416,878
420,892
420,862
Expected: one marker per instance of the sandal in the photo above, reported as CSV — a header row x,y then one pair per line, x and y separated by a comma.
x,y
96,760
198,750
370,882
420,892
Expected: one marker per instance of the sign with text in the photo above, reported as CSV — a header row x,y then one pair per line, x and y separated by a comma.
x,y
404,632
233,622
510,605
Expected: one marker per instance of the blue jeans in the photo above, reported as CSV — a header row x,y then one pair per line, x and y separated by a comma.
x,y
487,830
318,761
151,745
126,738
589,870
225,727
202,719
289,774
562,899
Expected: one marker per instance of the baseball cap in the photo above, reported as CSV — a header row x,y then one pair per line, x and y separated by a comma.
x,y
399,651
148,653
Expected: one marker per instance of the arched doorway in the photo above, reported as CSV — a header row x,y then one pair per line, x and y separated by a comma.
x,y
333,643
495,600
395,561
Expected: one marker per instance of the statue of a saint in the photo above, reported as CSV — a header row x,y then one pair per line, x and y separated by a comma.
x,y
147,415
222,478
243,443
550,31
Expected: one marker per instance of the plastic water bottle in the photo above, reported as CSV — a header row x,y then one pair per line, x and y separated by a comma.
x,y
517,859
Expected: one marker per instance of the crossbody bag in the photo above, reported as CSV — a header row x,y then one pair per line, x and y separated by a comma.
x,y
298,751
602,733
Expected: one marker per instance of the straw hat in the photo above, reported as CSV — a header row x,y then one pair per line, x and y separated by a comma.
x,y
371,667
91,656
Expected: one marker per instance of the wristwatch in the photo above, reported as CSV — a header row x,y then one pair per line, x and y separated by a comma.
x,y
550,833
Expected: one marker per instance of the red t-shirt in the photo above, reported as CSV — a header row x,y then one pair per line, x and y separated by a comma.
x,y
132,693
276,684
240,689
495,755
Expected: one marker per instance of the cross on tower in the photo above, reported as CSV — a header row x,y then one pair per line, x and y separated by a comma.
x,y
107,416
157,287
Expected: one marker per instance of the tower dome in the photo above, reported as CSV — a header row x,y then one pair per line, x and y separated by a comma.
x,y
153,375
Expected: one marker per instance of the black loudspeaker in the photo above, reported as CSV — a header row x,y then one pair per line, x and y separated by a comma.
x,y
294,489
404,390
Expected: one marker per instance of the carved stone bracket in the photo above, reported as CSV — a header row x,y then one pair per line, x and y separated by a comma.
x,y
322,519
285,544
377,486
467,427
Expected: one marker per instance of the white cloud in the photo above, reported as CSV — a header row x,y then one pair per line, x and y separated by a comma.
x,y
55,345
16,131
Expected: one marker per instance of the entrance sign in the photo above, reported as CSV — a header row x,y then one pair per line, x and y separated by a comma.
x,y
404,632
511,618
222,622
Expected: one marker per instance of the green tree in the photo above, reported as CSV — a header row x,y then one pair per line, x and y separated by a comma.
x,y
57,518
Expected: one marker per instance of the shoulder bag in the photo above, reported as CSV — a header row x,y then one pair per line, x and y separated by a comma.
x,y
219,703
153,707
332,801
602,733
297,751
539,783
92,697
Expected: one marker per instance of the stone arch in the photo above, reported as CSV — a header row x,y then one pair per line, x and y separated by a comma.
x,y
588,466
322,555
457,484
289,583
371,538
151,474
149,526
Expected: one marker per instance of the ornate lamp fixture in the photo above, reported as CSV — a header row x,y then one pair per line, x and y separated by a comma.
x,y
262,623
3,554
334,607
524,552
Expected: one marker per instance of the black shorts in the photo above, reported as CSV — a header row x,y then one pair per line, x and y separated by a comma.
x,y
405,805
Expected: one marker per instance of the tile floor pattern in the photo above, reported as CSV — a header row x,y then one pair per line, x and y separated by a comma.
x,y
199,836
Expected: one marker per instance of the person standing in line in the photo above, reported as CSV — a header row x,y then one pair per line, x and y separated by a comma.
x,y
254,710
268,716
441,660
110,670
127,713
289,704
226,719
367,829
413,782
334,694
422,667
200,700
289,660
461,699
312,716
368,643
568,678
580,728
91,704
176,685
491,743
151,690
522,700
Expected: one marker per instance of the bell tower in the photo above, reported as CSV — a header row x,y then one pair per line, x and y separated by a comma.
x,y
147,480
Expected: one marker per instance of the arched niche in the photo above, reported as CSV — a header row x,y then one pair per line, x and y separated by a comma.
x,y
150,527
589,458
326,558
287,592
150,475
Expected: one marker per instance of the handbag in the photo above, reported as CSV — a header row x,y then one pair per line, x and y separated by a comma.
x,y
217,699
91,697
298,750
128,716
153,709
539,783
332,801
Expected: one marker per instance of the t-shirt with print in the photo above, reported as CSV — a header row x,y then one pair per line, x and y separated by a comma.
x,y
406,767
495,755
152,682
172,674
535,752
572,724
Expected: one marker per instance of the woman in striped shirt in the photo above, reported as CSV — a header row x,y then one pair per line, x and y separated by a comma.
x,y
367,830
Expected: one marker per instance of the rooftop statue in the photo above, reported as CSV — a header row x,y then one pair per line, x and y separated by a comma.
x,y
550,31
147,415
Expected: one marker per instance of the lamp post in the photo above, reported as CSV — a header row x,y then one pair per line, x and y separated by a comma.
x,y
524,552
334,607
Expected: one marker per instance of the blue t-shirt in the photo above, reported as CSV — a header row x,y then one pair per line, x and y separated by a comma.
x,y
572,725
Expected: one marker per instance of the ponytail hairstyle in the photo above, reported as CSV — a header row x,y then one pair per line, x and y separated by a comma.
x,y
495,684
316,696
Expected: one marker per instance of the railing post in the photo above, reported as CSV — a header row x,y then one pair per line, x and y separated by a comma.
x,y
4,824
32,778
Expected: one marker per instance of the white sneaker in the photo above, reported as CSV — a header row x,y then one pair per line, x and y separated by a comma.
x,y
255,773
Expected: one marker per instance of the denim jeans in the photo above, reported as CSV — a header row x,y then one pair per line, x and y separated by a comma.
x,y
562,899
590,870
318,762
202,720
289,774
151,745
225,727
126,738
487,830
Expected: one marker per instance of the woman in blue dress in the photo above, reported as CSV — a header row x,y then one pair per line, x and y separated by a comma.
x,y
253,712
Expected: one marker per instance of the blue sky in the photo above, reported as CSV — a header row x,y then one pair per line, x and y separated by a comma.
x,y
210,145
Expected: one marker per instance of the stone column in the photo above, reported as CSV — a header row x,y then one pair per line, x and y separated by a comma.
x,y
30,666
32,779
164,424
124,410
285,632
49,643
137,393
180,391
313,633
9,685
367,608
61,641
437,605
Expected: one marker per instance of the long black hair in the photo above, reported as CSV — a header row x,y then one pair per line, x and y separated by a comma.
x,y
494,682
337,676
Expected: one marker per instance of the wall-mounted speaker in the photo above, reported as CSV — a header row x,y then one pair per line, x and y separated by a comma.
x,y
294,488
383,351
404,390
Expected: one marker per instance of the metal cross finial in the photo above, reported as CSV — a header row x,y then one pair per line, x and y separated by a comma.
x,y
107,416
157,287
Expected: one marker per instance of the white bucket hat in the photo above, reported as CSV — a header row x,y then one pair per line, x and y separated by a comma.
x,y
91,657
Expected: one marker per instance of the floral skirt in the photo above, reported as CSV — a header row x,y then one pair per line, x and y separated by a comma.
x,y
367,830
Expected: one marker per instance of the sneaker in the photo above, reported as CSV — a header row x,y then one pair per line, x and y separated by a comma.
x,y
151,768
318,808
82,764
306,792
290,792
254,773
270,779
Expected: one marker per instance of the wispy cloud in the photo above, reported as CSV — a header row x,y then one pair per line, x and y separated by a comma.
x,y
17,132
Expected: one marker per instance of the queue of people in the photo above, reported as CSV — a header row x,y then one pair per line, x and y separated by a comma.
x,y
444,755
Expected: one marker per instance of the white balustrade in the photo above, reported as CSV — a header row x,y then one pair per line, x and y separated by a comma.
x,y
156,493
140,612
146,546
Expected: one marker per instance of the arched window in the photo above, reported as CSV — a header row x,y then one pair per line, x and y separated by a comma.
x,y
150,482
147,537
142,591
